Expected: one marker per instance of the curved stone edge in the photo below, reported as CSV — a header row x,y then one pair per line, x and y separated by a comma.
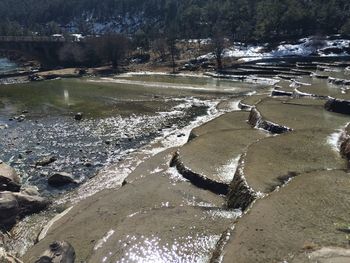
x,y
338,82
244,106
345,144
280,93
241,195
197,179
257,121
298,94
217,254
192,136
338,106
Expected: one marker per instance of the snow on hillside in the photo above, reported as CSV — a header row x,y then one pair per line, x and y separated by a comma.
x,y
304,47
120,24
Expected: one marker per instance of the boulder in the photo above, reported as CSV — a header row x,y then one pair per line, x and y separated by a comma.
x,y
61,179
9,209
58,252
18,205
9,179
29,204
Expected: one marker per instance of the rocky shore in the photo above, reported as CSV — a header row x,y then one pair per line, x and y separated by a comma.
x,y
268,182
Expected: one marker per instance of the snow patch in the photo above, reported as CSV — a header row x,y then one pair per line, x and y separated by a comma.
x,y
304,47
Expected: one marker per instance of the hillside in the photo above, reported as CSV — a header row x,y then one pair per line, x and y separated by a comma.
x,y
237,19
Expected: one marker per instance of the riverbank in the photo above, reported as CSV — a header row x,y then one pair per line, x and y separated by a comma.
x,y
174,206
209,180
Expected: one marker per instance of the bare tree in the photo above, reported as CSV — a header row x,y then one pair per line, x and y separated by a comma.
x,y
111,48
218,46
72,54
173,51
159,47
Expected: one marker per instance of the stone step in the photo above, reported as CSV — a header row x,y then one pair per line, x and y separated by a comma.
x,y
271,162
155,211
210,161
310,213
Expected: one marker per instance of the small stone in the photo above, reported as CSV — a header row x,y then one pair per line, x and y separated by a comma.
x,y
44,174
21,118
87,164
78,116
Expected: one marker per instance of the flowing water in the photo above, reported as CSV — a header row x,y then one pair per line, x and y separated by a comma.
x,y
6,66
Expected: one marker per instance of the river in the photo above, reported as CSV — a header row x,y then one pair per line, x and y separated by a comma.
x,y
7,66
122,117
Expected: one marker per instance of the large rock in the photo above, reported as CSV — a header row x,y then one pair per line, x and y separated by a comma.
x,y
61,179
9,179
58,252
310,212
9,209
18,205
29,204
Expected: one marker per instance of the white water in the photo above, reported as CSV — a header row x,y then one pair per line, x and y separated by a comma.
x,y
6,65
114,175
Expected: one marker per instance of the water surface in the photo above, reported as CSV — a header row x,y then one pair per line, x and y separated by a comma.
x,y
6,66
